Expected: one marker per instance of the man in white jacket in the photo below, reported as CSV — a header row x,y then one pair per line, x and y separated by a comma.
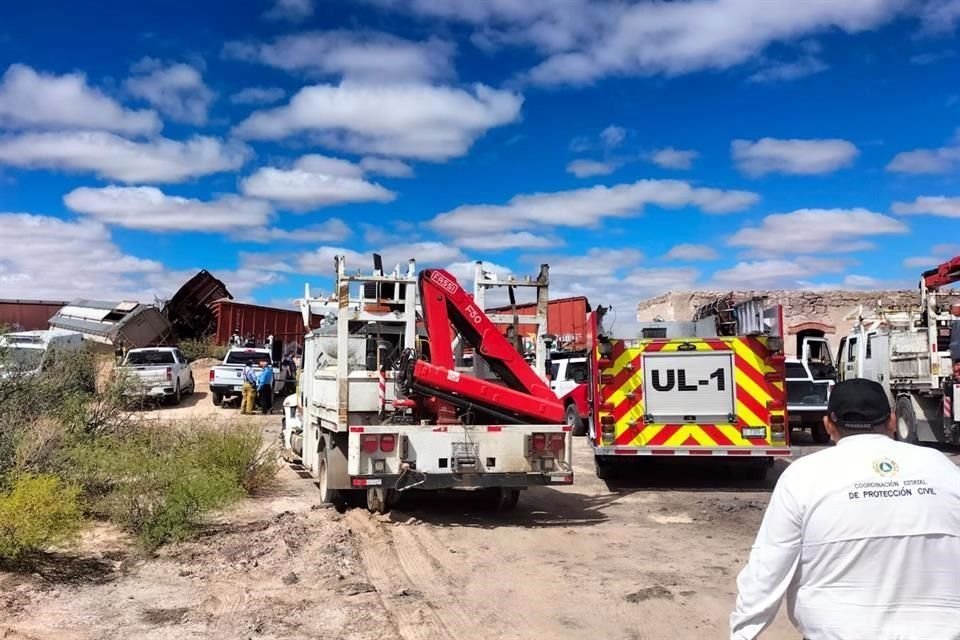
x,y
863,538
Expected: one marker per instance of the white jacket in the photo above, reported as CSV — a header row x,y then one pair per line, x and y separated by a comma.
x,y
864,541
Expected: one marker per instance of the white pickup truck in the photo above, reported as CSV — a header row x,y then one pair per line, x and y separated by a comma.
x,y
226,380
158,372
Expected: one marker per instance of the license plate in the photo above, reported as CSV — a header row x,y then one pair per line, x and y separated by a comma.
x,y
464,450
753,432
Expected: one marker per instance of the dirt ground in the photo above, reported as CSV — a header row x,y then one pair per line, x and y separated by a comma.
x,y
650,558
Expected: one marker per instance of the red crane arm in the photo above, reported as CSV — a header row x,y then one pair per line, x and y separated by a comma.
x,y
525,395
943,275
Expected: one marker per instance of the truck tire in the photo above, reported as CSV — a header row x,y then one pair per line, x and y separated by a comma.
x,y
217,398
605,469
906,420
819,433
177,396
577,426
193,386
328,495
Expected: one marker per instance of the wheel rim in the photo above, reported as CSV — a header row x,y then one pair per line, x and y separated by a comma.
x,y
903,429
323,481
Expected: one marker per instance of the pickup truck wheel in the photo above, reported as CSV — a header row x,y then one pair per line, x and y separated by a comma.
x,y
819,433
193,386
377,500
217,398
573,420
906,420
177,395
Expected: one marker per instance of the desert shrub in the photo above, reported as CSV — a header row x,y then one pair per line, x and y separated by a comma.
x,y
160,482
37,511
202,348
237,451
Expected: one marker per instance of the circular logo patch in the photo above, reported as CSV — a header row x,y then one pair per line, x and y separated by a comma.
x,y
885,467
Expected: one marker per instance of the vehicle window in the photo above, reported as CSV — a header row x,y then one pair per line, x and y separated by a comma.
x,y
149,357
180,357
870,346
577,371
796,370
554,370
243,357
852,350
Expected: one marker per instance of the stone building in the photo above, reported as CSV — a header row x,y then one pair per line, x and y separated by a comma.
x,y
805,313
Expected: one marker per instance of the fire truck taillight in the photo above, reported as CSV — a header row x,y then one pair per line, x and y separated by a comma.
x,y
778,428
606,430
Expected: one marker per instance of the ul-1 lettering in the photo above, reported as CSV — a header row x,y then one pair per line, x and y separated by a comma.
x,y
678,378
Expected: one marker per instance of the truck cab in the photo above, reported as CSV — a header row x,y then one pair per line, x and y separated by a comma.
x,y
809,381
569,374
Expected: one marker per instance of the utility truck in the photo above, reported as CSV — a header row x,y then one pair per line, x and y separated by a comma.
x,y
384,408
906,349
711,387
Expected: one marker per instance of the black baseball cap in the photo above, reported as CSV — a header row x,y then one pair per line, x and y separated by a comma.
x,y
858,404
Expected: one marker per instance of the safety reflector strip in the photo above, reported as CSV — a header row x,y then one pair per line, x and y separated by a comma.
x,y
356,429
756,452
366,482
494,429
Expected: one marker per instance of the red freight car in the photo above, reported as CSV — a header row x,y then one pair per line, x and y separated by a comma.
x,y
28,315
258,321
566,319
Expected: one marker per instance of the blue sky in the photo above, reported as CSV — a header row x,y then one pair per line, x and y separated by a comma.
x,y
637,147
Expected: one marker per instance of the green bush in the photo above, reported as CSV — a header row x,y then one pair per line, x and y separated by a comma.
x,y
160,483
37,512
238,452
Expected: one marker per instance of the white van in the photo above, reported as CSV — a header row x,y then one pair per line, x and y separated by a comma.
x,y
29,352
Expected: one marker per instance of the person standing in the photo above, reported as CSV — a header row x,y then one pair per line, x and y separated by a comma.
x,y
862,538
249,390
265,387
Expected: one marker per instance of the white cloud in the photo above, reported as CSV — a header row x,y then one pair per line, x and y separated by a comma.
x,y
816,231
150,208
762,274
361,55
590,168
587,207
177,91
613,136
258,95
305,190
316,163
682,37
929,205
596,262
670,158
504,241
784,71
464,272
113,157
389,167
30,99
320,261
57,259
940,17
798,157
921,262
422,121
290,10
332,230
692,252
928,161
